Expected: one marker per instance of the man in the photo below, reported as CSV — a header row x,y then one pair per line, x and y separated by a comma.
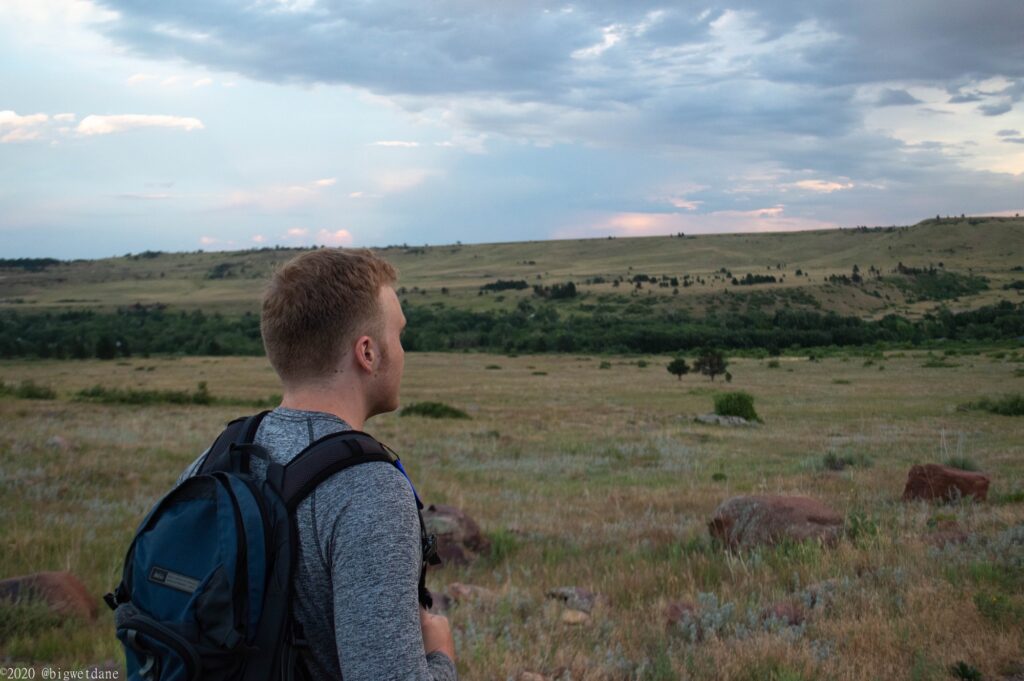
x,y
331,326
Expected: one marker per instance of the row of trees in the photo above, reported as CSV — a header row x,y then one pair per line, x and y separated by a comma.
x,y
527,328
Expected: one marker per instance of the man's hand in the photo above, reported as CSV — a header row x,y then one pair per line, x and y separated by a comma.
x,y
437,634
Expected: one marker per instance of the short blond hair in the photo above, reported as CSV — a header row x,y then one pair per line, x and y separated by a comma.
x,y
316,303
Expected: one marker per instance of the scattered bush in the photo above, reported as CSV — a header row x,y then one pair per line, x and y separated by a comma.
x,y
1007,405
965,672
28,390
773,364
433,410
605,365
737,403
678,368
719,477
492,367
837,462
201,396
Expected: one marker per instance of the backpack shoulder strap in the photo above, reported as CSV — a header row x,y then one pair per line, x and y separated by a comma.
x,y
322,459
240,431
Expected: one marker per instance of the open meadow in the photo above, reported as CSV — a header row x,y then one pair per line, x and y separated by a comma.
x,y
591,472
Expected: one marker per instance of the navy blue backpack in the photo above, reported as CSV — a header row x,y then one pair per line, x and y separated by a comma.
x,y
207,584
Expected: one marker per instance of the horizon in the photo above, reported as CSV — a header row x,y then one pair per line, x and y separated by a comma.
x,y
281,246
126,127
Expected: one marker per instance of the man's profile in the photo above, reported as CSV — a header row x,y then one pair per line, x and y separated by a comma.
x,y
331,324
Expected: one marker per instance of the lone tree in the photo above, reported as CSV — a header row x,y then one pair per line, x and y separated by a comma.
x,y
678,367
711,363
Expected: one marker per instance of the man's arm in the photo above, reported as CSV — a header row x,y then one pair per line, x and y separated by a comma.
x,y
374,555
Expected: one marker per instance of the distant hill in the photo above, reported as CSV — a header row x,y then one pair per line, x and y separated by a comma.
x,y
867,272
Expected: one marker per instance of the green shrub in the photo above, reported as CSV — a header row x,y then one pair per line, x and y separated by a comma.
x,y
837,462
504,545
773,364
719,477
492,367
28,390
433,410
737,403
605,365
1007,405
965,672
962,462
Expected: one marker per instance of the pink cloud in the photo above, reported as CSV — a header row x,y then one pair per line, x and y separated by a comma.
x,y
768,219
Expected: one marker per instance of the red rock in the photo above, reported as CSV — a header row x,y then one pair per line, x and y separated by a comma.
x,y
459,540
936,482
62,591
748,521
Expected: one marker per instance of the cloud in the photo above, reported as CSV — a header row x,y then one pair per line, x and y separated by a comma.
x,y
997,109
64,117
202,82
403,180
277,198
15,128
820,186
1009,132
768,219
107,125
139,78
325,182
395,143
259,238
340,237
891,97
1014,140
296,232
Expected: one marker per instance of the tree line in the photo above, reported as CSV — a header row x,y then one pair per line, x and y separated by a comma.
x,y
143,330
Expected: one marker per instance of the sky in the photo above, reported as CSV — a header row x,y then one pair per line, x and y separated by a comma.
x,y
128,125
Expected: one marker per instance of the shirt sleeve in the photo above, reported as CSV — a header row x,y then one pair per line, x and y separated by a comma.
x,y
374,558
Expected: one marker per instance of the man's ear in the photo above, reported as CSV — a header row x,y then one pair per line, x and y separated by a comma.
x,y
365,353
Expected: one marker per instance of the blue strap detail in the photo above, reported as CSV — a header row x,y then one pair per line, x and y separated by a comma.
x,y
398,465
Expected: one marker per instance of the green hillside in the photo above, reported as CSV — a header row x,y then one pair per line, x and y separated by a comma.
x,y
229,282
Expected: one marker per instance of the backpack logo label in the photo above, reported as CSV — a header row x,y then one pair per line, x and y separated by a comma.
x,y
174,580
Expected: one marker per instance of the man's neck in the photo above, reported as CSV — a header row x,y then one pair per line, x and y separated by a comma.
x,y
348,405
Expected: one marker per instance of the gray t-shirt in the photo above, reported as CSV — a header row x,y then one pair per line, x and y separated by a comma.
x,y
356,589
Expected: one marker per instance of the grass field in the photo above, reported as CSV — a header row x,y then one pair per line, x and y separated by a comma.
x,y
595,477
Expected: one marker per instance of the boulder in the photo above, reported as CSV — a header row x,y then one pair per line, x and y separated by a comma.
x,y
748,521
459,540
936,482
61,591
575,597
575,617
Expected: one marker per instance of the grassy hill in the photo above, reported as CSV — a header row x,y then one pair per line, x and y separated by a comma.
x,y
954,252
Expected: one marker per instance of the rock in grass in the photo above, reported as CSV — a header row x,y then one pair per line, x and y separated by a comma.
x,y
575,597
748,521
62,592
934,482
459,592
531,676
575,617
459,540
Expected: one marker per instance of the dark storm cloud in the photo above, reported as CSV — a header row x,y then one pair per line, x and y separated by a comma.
x,y
891,97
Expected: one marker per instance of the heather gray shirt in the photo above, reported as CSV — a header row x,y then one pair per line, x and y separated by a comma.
x,y
356,590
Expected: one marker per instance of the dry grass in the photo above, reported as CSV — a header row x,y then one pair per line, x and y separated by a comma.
x,y
589,477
